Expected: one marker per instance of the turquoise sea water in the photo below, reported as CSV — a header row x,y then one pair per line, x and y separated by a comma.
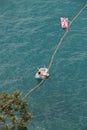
x,y
29,33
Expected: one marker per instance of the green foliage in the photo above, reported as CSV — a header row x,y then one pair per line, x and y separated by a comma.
x,y
14,111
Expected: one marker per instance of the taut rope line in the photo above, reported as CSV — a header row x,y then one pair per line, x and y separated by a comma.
x,y
78,14
57,47
33,89
53,56
62,38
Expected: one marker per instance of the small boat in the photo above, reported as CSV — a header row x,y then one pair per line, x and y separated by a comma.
x,y
42,73
64,22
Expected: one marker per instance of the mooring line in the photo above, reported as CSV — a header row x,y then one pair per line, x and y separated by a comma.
x,y
33,89
77,15
57,48
64,35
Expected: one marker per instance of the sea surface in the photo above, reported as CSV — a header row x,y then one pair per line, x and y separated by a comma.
x,y
29,33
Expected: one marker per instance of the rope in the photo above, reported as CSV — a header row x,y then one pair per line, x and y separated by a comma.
x,y
64,35
57,48
33,89
77,14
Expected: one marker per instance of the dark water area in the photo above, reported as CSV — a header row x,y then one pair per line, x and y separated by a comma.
x,y
29,33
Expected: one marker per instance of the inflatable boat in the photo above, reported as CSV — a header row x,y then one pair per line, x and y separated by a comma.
x,y
42,73
64,22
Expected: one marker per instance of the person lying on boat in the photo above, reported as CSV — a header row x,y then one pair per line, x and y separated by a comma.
x,y
42,73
